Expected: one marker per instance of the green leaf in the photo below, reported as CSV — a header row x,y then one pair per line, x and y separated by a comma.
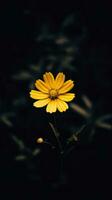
x,y
36,152
5,118
18,142
20,158
23,75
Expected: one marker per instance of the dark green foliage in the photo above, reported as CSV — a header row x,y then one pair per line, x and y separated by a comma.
x,y
67,44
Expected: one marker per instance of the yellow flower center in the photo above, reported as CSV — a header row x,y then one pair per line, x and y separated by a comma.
x,y
53,94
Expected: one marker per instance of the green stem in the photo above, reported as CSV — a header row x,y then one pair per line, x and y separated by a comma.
x,y
56,136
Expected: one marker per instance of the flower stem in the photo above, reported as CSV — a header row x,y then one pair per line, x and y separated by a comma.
x,y
56,136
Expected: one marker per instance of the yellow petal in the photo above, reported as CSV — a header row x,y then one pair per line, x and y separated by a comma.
x,y
49,79
40,85
52,106
38,95
67,97
41,103
68,85
61,105
60,78
46,80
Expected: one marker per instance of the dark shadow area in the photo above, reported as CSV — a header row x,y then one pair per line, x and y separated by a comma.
x,y
75,40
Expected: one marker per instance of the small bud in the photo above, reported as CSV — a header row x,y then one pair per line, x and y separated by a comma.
x,y
40,140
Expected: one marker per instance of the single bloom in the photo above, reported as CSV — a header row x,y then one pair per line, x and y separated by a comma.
x,y
52,92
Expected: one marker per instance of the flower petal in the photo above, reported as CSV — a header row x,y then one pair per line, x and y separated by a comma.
x,y
49,79
40,85
61,105
46,80
68,85
67,97
41,103
38,95
52,106
60,78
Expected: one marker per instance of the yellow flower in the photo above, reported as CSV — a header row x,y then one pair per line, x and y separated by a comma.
x,y
53,92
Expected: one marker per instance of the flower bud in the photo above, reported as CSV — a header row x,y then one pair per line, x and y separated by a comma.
x,y
39,140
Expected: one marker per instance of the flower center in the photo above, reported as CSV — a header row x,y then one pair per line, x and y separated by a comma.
x,y
53,94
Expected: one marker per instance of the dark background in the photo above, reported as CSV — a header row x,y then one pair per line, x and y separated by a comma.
x,y
88,167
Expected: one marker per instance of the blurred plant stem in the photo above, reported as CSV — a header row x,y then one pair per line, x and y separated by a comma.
x,y
80,110
56,134
59,146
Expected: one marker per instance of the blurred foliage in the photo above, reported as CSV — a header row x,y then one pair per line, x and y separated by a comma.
x,y
65,49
